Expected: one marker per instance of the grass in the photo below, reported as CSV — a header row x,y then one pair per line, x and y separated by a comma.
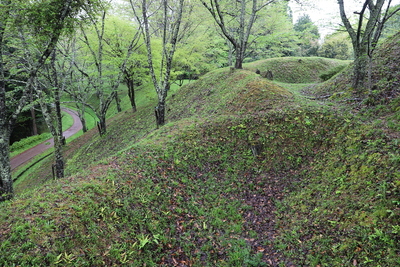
x,y
302,70
246,172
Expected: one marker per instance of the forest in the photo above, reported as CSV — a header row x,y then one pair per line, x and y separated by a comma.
x,y
214,133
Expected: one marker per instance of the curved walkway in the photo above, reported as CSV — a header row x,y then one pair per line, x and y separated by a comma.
x,y
25,156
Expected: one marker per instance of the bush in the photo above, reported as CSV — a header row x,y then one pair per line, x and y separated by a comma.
x,y
26,142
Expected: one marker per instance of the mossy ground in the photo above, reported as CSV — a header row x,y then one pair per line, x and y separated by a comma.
x,y
245,173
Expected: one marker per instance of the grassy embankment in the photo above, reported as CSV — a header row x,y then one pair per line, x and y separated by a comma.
x,y
245,173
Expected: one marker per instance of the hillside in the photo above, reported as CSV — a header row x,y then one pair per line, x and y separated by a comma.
x,y
296,69
245,173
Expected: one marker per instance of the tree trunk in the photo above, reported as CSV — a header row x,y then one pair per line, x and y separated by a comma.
x,y
101,125
81,114
365,36
58,112
52,124
118,101
360,72
34,124
239,61
131,93
33,116
160,114
59,159
6,187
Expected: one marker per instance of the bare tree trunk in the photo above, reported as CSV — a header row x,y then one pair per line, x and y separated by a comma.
x,y
239,59
81,115
118,101
58,154
237,34
57,98
33,116
170,37
101,125
131,92
360,71
6,185
160,114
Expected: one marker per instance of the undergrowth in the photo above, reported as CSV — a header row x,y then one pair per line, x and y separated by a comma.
x,y
347,211
244,173
186,201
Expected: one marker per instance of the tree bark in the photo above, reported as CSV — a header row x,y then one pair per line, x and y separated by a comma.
x,y
33,116
6,184
360,71
160,114
59,159
118,101
57,97
81,115
131,93
101,125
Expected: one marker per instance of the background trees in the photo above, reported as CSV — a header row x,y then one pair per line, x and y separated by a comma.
x,y
336,45
236,20
308,35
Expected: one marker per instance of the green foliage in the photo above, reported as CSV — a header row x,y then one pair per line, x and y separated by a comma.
x,y
29,142
274,36
336,45
332,72
308,35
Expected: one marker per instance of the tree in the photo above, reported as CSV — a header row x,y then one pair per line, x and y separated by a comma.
x,y
365,36
336,45
102,70
308,36
392,26
47,19
122,45
76,85
235,20
166,21
49,86
274,35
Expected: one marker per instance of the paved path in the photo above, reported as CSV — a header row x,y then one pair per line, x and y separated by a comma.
x,y
34,151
